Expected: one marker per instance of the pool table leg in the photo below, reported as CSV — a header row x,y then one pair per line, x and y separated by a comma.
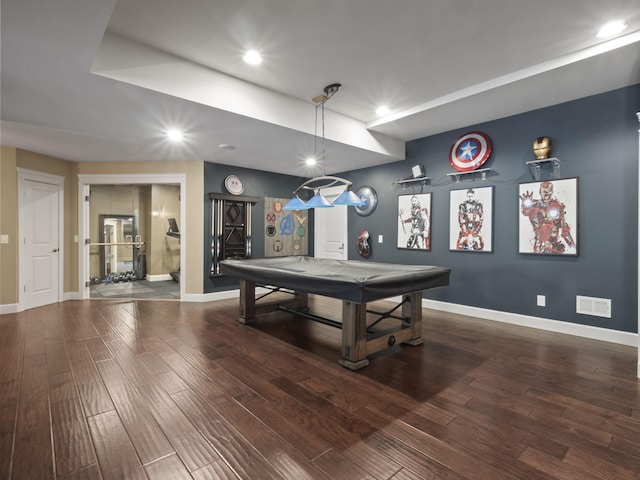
x,y
247,302
354,335
413,310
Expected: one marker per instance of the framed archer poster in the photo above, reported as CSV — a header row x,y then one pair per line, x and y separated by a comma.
x,y
414,221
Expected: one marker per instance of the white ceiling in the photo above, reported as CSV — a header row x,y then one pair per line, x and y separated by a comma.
x,y
101,80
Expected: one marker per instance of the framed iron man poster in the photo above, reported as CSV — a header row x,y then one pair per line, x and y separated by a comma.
x,y
549,217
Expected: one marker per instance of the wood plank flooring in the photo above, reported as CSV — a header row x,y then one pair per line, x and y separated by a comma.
x,y
119,389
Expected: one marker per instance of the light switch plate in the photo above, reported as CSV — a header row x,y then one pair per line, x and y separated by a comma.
x,y
4,238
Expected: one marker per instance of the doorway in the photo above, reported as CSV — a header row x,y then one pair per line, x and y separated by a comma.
x,y
129,229
330,227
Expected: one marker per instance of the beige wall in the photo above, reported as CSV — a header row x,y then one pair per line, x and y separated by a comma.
x,y
8,226
11,158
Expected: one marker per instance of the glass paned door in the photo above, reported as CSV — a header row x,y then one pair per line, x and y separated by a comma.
x,y
117,239
134,241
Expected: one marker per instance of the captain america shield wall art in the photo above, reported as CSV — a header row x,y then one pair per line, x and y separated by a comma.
x,y
470,151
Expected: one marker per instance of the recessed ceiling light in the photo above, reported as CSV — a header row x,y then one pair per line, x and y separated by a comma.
x,y
252,57
382,110
174,135
310,161
611,28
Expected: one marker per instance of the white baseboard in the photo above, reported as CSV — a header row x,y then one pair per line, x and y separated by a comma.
x,y
9,308
585,331
210,297
158,278
71,296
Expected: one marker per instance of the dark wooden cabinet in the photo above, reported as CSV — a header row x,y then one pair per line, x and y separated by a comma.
x,y
231,228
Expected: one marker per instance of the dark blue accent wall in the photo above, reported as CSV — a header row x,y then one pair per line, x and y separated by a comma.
x,y
596,140
256,183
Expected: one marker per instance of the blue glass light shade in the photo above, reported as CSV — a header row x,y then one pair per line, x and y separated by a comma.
x,y
296,204
348,198
318,201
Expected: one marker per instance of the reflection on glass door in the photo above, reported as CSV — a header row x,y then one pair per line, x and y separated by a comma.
x,y
130,253
117,233
116,239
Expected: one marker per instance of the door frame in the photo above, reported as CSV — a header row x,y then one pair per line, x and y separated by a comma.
x,y
49,179
84,183
638,273
319,223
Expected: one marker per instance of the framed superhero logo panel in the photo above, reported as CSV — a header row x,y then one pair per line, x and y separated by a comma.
x,y
285,230
471,220
548,217
414,221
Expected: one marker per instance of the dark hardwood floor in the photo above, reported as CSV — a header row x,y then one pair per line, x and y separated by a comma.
x,y
117,389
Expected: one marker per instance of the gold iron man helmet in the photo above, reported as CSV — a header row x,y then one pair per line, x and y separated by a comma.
x,y
542,147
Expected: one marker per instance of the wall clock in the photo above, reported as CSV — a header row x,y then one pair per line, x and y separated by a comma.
x,y
234,185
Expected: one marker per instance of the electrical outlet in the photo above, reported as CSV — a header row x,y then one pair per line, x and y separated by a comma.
x,y
542,301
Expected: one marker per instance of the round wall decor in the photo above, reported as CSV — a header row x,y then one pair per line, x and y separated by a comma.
x,y
234,185
470,151
369,201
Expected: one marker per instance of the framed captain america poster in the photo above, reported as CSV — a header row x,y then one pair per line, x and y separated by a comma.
x,y
471,219
470,151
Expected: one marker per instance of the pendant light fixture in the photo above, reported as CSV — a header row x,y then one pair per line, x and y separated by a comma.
x,y
317,183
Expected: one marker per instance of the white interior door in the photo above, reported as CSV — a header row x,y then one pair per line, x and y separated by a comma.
x,y
40,236
330,226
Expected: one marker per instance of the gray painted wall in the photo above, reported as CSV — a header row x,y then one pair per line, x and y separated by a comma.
x,y
256,183
596,140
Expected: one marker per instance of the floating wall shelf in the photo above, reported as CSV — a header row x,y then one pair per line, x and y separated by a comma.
x,y
482,171
535,167
408,181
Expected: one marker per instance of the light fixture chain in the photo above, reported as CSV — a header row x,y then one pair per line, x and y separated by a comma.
x,y
324,166
315,137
